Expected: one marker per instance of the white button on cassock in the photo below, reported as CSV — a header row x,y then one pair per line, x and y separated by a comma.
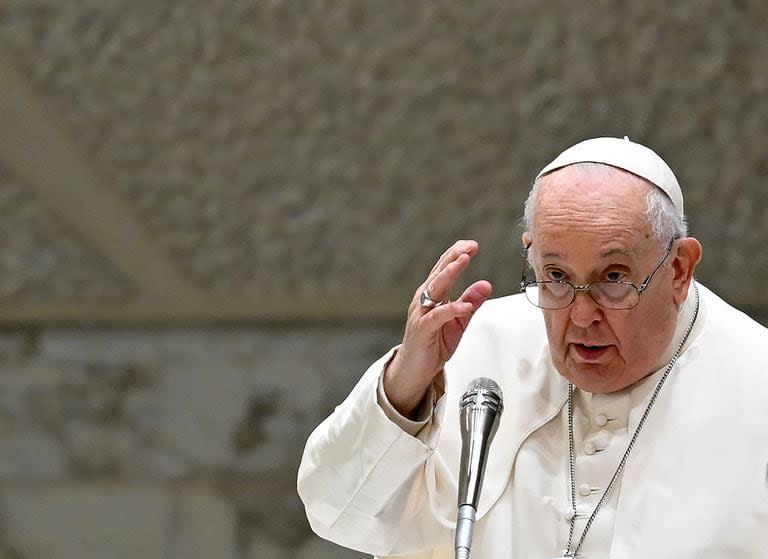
x,y
590,448
601,420
585,490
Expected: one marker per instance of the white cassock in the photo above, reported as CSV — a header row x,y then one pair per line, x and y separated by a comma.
x,y
695,484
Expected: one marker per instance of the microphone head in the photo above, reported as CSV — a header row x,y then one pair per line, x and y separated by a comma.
x,y
482,391
484,383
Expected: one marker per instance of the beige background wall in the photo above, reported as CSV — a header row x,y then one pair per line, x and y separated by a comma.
x,y
213,213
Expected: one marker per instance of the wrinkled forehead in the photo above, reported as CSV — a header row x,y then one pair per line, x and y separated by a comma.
x,y
595,205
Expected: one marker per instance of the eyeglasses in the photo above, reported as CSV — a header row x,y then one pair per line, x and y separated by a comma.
x,y
608,294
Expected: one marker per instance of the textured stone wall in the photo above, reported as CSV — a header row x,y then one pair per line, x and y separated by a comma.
x,y
39,259
309,149
236,131
167,444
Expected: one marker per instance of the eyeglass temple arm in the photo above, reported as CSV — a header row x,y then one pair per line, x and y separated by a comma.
x,y
525,264
649,277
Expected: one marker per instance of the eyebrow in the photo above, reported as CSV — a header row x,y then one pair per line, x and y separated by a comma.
x,y
604,254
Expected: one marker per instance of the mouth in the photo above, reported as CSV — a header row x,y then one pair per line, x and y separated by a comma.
x,y
590,353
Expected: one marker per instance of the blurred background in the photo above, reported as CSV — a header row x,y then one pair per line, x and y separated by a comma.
x,y
213,215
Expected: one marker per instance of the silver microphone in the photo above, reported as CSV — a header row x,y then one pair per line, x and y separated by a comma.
x,y
481,407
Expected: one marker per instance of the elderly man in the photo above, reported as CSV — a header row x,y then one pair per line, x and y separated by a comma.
x,y
636,400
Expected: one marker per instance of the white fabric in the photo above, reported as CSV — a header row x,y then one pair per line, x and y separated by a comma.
x,y
546,450
423,412
624,154
694,485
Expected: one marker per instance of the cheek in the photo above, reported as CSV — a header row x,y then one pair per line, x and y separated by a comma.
x,y
625,331
636,333
556,323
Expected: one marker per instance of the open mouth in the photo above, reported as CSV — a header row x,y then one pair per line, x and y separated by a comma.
x,y
590,352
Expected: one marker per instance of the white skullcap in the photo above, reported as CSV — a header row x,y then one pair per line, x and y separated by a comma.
x,y
624,154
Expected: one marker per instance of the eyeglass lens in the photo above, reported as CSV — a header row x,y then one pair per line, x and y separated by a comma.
x,y
557,295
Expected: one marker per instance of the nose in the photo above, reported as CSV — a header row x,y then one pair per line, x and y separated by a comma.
x,y
584,310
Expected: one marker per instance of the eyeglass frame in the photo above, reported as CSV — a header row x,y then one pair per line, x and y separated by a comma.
x,y
586,287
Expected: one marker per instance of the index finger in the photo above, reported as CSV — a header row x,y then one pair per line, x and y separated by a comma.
x,y
450,266
451,254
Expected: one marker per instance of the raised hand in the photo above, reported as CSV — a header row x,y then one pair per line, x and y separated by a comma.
x,y
433,333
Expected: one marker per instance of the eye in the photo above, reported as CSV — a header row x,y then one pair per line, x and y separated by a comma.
x,y
616,276
554,274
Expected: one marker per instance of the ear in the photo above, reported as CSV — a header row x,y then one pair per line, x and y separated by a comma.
x,y
526,238
686,255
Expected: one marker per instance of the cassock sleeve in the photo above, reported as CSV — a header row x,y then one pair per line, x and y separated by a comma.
x,y
362,477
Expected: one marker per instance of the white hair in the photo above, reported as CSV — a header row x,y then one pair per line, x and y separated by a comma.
x,y
665,221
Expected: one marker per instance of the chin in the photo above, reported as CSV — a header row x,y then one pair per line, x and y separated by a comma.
x,y
595,378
